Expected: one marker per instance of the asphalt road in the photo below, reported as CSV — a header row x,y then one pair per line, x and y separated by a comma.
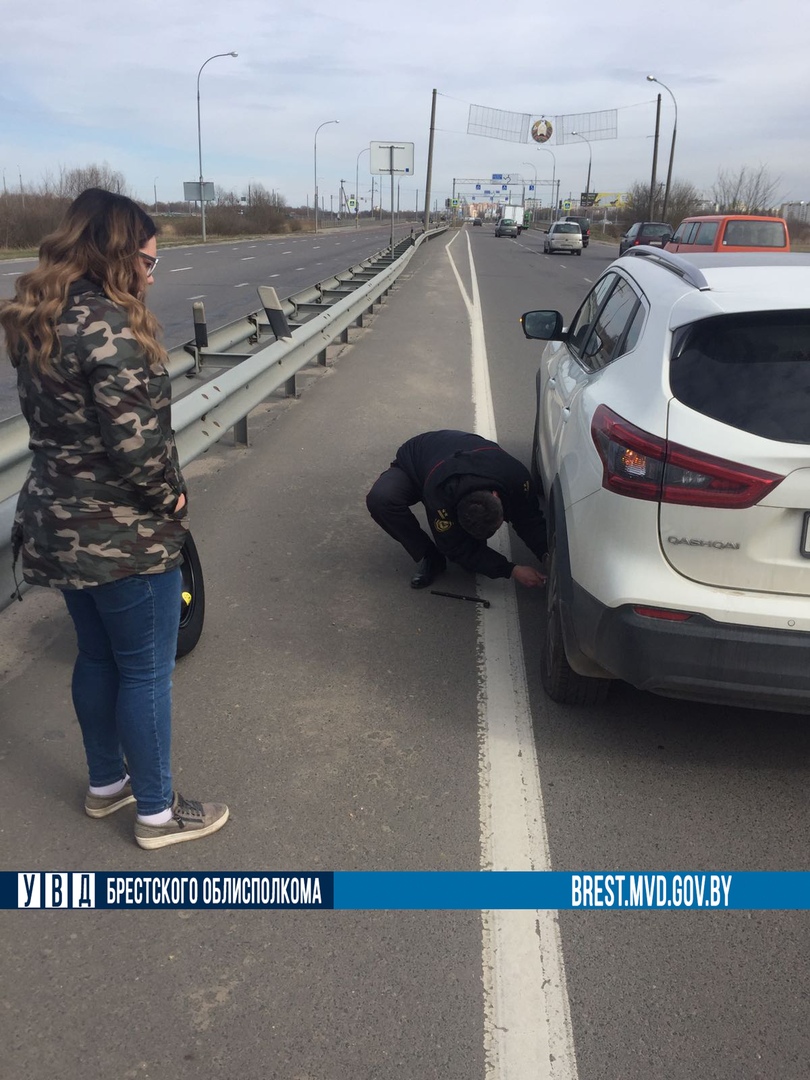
x,y
336,710
225,276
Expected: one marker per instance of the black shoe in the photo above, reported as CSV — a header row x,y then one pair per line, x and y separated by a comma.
x,y
430,567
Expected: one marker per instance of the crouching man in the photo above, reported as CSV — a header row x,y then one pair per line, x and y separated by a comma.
x,y
469,486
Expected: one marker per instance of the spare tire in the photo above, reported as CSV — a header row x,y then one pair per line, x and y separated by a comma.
x,y
192,610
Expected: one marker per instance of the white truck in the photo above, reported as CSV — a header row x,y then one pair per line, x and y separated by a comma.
x,y
513,212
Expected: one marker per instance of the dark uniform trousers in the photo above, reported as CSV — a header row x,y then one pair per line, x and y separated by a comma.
x,y
389,503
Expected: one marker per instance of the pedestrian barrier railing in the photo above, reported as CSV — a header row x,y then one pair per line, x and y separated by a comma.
x,y
219,377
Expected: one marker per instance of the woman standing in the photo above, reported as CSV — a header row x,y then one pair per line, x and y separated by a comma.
x,y
102,513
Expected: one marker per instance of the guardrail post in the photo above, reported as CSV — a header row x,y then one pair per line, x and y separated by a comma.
x,y
322,358
275,313
291,387
200,333
240,432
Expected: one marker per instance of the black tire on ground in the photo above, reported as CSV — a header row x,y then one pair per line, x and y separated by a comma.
x,y
560,681
192,611
578,252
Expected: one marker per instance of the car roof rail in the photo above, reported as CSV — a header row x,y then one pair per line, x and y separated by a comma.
x,y
676,264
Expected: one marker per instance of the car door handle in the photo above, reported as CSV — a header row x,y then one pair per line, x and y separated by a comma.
x,y
552,381
566,414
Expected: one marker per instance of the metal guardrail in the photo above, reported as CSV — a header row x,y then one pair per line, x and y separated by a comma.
x,y
248,368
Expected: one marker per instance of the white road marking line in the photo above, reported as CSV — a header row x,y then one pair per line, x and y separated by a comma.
x,y
12,273
242,285
527,1020
303,267
316,247
275,275
286,253
200,297
177,269
247,258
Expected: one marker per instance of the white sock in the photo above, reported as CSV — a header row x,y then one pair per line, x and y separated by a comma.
x,y
161,818
110,789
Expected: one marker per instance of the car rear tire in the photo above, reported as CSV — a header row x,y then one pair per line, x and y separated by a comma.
x,y
192,610
560,681
577,252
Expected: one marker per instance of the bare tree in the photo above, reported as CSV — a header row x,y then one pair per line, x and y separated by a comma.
x,y
684,201
748,191
72,182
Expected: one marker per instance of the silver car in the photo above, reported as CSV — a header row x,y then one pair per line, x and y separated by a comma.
x,y
563,236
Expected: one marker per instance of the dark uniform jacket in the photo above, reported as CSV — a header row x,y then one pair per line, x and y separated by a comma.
x,y
98,501
446,466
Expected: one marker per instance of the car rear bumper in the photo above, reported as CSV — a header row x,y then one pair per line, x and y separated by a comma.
x,y
701,659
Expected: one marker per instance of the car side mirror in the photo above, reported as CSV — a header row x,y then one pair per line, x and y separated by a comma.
x,y
545,231
542,325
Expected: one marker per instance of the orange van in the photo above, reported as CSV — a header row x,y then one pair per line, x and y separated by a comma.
x,y
730,232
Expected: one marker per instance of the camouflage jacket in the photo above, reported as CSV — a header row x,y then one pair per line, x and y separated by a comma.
x,y
98,501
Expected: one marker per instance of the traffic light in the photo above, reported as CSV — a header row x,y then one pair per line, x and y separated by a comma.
x,y
447,204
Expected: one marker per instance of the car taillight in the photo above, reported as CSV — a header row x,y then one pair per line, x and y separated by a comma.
x,y
665,614
644,466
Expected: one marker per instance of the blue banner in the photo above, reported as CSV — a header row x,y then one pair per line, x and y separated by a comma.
x,y
403,891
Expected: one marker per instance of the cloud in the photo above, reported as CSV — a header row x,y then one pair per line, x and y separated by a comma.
x,y
119,83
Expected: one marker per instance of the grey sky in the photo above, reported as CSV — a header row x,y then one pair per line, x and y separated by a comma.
x,y
103,81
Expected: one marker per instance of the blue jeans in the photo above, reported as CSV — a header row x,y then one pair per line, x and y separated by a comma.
x,y
122,681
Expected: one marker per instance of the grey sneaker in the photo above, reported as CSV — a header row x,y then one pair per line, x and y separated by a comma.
x,y
100,805
190,821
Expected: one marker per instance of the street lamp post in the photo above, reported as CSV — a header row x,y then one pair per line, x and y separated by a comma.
x,y
534,200
553,181
199,135
652,78
317,129
590,161
365,150
154,184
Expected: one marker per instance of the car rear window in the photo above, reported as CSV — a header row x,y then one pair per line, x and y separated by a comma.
x,y
655,230
751,372
566,227
755,234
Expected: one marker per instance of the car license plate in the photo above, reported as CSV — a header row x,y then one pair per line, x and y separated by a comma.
x,y
804,548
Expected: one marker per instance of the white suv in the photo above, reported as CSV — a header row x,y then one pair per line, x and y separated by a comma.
x,y
672,444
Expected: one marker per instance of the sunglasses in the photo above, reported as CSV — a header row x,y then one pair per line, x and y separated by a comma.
x,y
151,262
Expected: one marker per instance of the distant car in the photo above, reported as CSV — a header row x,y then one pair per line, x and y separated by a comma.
x,y
653,233
584,225
477,221
563,236
507,227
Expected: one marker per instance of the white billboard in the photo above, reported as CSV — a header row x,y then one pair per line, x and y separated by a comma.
x,y
391,157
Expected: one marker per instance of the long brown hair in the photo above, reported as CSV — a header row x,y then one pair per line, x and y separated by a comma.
x,y
98,239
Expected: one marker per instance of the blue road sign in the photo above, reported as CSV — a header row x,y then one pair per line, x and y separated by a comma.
x,y
497,176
